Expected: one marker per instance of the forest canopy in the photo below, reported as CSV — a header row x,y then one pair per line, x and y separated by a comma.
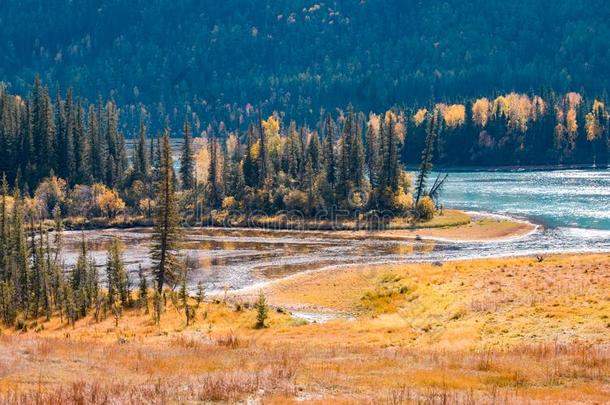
x,y
219,59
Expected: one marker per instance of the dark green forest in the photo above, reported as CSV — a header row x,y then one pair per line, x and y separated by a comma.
x,y
300,57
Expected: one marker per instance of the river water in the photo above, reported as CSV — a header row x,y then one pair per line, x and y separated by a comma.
x,y
571,206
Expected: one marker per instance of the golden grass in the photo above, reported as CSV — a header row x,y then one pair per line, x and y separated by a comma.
x,y
505,331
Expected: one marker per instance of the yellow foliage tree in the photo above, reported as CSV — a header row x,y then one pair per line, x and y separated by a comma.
x,y
420,116
110,203
271,126
593,120
202,162
454,115
480,112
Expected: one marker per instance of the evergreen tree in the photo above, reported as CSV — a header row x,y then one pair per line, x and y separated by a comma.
x,y
263,156
372,154
140,159
118,281
357,159
97,155
329,158
261,311
79,281
43,131
66,157
214,188
82,159
18,262
187,162
166,233
426,159
250,167
4,230
143,289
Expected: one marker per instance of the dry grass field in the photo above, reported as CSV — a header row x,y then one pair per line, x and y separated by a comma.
x,y
501,331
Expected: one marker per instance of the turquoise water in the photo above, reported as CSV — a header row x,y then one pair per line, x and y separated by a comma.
x,y
571,206
555,199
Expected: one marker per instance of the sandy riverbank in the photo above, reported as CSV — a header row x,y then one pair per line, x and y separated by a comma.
x,y
453,225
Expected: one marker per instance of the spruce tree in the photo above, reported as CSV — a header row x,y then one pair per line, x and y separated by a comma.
x,y
330,165
97,150
66,155
143,289
166,233
372,154
250,168
357,159
426,159
140,158
261,311
187,162
82,152
4,230
214,187
118,282
263,156
19,253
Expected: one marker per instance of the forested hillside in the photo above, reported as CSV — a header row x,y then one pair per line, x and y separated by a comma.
x,y
298,57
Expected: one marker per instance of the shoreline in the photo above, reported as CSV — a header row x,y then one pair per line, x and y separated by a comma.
x,y
453,226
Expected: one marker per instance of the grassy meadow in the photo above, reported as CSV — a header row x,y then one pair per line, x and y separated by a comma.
x,y
504,331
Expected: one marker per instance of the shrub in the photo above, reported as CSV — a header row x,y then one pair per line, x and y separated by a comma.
x,y
402,201
229,204
51,192
425,208
110,203
81,201
261,311
296,200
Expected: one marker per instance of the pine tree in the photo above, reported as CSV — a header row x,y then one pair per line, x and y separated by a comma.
x,y
79,280
19,253
66,152
140,158
187,162
113,147
426,160
345,156
357,159
166,233
97,155
4,230
313,163
118,282
43,132
329,158
82,152
200,293
250,168
189,311
214,188
372,154
143,289
263,156
391,167
261,311
293,154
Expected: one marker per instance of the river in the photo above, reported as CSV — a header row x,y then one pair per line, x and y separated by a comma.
x,y
571,206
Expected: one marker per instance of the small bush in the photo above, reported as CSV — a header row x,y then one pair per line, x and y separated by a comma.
x,y
261,311
425,209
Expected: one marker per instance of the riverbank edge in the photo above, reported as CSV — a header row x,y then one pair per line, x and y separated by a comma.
x,y
451,226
